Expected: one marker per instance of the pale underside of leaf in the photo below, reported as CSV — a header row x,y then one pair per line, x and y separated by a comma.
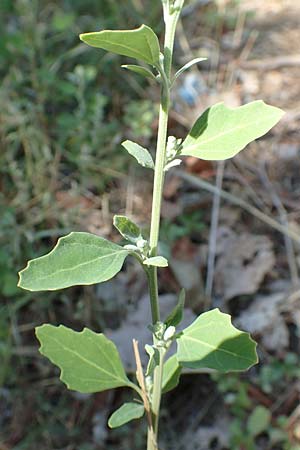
x,y
213,342
187,66
221,132
77,259
140,153
139,70
89,362
157,261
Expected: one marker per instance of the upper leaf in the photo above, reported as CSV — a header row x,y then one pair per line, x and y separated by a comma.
x,y
221,132
126,413
89,362
176,315
128,229
140,70
141,43
140,153
77,259
157,261
213,342
187,66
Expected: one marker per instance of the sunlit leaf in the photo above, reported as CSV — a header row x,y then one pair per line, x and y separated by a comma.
x,y
141,43
221,132
77,259
211,341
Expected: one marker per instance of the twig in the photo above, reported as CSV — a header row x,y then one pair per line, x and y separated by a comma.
x,y
272,63
213,232
198,182
141,380
291,257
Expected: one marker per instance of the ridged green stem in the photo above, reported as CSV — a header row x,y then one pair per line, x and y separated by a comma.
x,y
171,15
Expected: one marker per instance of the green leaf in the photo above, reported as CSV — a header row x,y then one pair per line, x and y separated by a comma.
x,y
187,66
154,358
259,421
141,43
157,261
176,315
141,154
213,342
140,70
171,374
126,413
89,362
221,132
128,229
77,259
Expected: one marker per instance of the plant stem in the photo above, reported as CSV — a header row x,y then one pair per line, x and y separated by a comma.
x,y
171,17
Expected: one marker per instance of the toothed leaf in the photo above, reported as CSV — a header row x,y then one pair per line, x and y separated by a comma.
x,y
213,342
89,362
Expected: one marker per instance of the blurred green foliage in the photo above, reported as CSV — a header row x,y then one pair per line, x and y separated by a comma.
x,y
61,125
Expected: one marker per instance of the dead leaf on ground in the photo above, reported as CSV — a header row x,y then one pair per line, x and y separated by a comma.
x,y
243,262
263,318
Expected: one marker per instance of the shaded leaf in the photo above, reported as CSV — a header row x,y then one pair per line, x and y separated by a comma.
x,y
157,261
141,43
128,229
259,421
221,132
176,315
187,66
140,153
140,70
154,358
213,342
171,374
89,362
126,413
77,259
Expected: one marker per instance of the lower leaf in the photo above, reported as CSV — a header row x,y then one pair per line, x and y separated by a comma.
x,y
213,342
126,413
89,362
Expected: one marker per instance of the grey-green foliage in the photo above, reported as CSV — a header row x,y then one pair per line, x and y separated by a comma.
x,y
128,229
221,132
212,341
89,362
79,258
143,71
140,153
126,413
141,44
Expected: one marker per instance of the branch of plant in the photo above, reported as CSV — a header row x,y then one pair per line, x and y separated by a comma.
x,y
202,184
171,19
